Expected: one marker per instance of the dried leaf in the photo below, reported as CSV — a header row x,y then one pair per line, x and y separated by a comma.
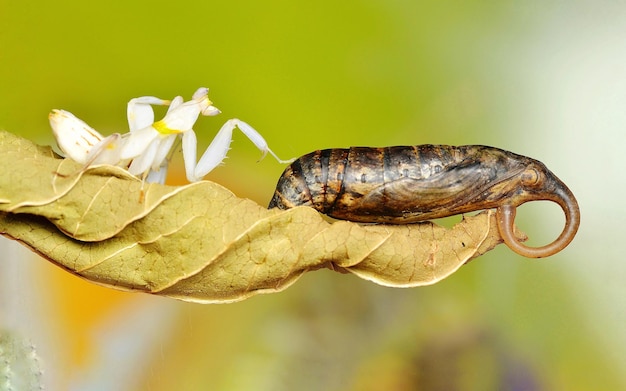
x,y
201,243
35,188
20,181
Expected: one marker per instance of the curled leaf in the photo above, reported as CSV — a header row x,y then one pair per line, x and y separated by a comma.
x,y
199,242
97,208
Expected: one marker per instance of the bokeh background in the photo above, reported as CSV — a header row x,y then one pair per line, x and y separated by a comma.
x,y
543,79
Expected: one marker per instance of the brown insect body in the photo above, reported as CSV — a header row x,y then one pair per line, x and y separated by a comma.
x,y
406,184
395,185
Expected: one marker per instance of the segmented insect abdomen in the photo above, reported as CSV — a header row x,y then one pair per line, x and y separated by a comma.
x,y
384,184
361,183
314,179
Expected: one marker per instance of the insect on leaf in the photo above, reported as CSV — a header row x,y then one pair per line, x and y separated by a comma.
x,y
200,242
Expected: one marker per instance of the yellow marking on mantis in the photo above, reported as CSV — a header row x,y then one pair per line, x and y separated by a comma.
x,y
162,128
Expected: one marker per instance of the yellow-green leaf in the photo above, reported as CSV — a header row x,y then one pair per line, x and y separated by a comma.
x,y
201,243
101,204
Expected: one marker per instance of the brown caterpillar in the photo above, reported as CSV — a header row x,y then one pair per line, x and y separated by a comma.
x,y
407,184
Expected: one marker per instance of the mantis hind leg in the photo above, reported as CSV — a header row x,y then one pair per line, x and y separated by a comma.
x,y
216,152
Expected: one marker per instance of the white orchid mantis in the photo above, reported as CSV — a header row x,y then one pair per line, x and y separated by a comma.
x,y
145,150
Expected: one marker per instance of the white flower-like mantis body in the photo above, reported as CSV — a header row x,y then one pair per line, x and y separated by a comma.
x,y
145,150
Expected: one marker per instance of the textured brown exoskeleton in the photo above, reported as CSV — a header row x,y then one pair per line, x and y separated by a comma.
x,y
407,184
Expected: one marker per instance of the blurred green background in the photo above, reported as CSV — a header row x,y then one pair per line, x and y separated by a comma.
x,y
543,79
